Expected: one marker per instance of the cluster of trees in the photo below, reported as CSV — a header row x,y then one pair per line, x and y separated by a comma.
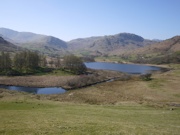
x,y
69,63
74,64
28,62
23,62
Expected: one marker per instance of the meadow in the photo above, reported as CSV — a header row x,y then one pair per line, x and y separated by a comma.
x,y
129,107
31,117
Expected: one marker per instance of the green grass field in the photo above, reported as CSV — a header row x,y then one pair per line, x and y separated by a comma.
x,y
33,117
133,107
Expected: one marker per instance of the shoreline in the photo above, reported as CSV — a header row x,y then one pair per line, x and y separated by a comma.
x,y
154,65
160,91
80,81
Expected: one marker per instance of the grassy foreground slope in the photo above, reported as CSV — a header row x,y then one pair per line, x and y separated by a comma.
x,y
46,117
120,107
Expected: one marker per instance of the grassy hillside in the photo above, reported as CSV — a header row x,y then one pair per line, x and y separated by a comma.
x,y
30,116
166,58
166,46
119,107
163,52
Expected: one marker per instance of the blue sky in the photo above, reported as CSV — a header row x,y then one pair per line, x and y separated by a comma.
x,y
70,19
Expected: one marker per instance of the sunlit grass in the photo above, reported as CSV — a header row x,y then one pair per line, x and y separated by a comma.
x,y
156,83
177,95
37,117
120,107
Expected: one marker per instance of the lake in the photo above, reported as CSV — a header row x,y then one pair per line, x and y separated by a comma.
x,y
35,90
126,68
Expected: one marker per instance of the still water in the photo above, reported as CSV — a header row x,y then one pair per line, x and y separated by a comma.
x,y
127,68
35,90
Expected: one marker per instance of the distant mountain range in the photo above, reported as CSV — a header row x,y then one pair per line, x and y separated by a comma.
x,y
7,46
42,43
111,45
118,44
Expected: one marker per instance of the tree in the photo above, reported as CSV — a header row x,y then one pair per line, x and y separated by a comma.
x,y
74,64
8,62
26,60
5,61
0,62
43,61
18,61
51,62
57,63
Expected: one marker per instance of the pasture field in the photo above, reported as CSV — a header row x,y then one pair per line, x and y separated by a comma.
x,y
32,117
132,107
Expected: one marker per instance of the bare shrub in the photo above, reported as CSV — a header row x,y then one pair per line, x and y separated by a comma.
x,y
82,81
146,77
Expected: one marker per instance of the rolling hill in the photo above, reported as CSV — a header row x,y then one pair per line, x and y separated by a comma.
x,y
42,43
166,46
101,45
110,45
125,46
167,51
7,46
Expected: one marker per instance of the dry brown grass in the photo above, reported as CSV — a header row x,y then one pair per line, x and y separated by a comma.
x,y
61,81
12,95
36,81
163,89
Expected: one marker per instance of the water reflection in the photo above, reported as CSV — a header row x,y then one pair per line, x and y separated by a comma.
x,y
127,68
35,90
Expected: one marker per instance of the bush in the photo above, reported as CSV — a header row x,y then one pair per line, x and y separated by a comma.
x,y
83,81
146,77
10,72
13,73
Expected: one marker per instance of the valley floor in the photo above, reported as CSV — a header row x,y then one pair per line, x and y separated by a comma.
x,y
118,107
